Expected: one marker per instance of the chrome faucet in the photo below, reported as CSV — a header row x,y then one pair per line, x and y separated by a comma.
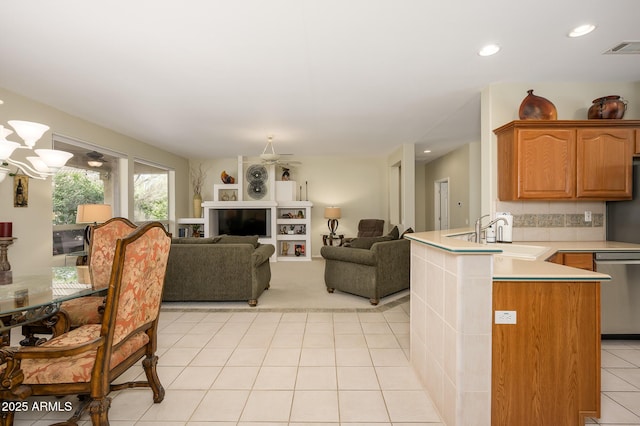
x,y
479,228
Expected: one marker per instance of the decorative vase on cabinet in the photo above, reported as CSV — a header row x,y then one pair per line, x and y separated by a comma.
x,y
535,107
197,205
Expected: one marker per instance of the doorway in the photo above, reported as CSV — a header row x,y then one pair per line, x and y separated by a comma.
x,y
441,203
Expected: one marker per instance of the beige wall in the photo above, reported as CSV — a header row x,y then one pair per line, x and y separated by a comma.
x,y
462,168
500,104
32,225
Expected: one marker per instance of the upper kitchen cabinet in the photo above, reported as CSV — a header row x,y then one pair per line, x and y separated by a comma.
x,y
566,159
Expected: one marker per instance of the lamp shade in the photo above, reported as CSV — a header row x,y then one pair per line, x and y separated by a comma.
x,y
332,212
29,131
93,213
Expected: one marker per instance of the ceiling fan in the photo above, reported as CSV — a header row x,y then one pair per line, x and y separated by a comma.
x,y
95,159
269,155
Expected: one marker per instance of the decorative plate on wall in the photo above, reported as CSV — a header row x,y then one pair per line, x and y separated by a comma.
x,y
257,173
257,190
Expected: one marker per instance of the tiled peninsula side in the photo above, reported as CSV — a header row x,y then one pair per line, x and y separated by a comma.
x,y
451,320
480,373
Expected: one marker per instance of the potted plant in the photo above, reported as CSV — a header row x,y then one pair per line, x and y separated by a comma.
x,y
197,180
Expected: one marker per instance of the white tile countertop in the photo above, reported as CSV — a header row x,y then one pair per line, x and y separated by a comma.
x,y
523,260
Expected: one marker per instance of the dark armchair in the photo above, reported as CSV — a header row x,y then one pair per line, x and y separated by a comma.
x,y
368,228
373,267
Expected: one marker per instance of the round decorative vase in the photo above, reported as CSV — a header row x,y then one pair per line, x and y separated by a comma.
x,y
537,108
607,107
197,205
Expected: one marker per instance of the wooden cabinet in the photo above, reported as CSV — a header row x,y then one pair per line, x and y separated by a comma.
x,y
604,163
546,367
566,159
581,260
638,141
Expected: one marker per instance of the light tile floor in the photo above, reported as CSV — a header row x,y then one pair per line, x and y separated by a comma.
x,y
312,368
277,368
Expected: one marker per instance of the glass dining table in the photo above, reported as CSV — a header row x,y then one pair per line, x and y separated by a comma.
x,y
31,299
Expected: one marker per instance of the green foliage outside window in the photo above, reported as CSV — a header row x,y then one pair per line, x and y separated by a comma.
x,y
71,188
150,197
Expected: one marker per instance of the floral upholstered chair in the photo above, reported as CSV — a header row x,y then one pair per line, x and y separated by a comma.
x,y
102,247
86,361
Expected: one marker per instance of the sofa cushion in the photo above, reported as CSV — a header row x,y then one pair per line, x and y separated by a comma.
x,y
238,239
367,242
194,240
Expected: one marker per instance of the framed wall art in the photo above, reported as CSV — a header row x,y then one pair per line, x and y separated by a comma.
x,y
20,191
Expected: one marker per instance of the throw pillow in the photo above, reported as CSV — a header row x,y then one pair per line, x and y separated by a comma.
x,y
394,233
367,242
407,231
239,239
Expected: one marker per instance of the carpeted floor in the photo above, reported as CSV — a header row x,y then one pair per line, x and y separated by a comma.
x,y
298,286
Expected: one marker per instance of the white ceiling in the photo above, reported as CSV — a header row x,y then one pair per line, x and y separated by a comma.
x,y
214,78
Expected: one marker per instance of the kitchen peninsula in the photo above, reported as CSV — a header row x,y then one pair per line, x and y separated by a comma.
x,y
544,369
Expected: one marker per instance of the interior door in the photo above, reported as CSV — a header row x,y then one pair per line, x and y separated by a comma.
x,y
442,204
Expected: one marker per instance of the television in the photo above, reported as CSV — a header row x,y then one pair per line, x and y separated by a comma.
x,y
244,222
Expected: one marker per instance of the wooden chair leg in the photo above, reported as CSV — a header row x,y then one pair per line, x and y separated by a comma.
x,y
150,369
6,418
99,410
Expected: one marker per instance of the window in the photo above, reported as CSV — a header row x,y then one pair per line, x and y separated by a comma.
x,y
90,177
150,192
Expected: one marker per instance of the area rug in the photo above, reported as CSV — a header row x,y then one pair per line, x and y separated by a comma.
x,y
298,286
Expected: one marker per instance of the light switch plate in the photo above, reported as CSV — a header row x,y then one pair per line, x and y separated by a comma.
x,y
505,317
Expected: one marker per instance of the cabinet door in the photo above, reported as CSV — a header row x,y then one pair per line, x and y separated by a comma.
x,y
604,163
582,260
546,164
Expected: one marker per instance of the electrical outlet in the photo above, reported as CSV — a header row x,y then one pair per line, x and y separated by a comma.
x,y
505,317
587,216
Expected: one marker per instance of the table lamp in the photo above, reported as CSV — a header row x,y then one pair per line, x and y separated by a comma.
x,y
92,214
333,214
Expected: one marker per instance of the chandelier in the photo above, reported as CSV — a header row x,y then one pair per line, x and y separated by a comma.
x,y
45,163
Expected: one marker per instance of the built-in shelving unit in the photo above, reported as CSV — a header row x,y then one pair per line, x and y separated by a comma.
x,y
277,218
186,225
293,224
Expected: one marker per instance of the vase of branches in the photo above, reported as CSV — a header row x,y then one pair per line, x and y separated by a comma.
x,y
197,180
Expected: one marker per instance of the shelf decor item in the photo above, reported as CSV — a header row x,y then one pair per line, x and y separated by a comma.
x,y
607,107
535,107
197,180
227,178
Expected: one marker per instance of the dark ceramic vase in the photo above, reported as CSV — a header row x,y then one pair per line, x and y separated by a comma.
x,y
607,107
537,108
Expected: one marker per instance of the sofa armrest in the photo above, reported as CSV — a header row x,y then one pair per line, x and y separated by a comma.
x,y
392,249
349,254
262,254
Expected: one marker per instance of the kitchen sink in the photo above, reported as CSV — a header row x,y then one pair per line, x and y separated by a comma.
x,y
520,250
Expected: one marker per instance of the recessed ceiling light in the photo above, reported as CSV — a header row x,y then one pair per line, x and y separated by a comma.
x,y
582,30
489,49
427,151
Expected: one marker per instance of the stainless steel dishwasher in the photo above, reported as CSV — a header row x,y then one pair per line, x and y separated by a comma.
x,y
620,297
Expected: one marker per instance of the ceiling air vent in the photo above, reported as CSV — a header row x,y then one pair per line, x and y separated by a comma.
x,y
625,48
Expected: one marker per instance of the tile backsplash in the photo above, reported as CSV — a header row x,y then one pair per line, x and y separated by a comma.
x,y
556,221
